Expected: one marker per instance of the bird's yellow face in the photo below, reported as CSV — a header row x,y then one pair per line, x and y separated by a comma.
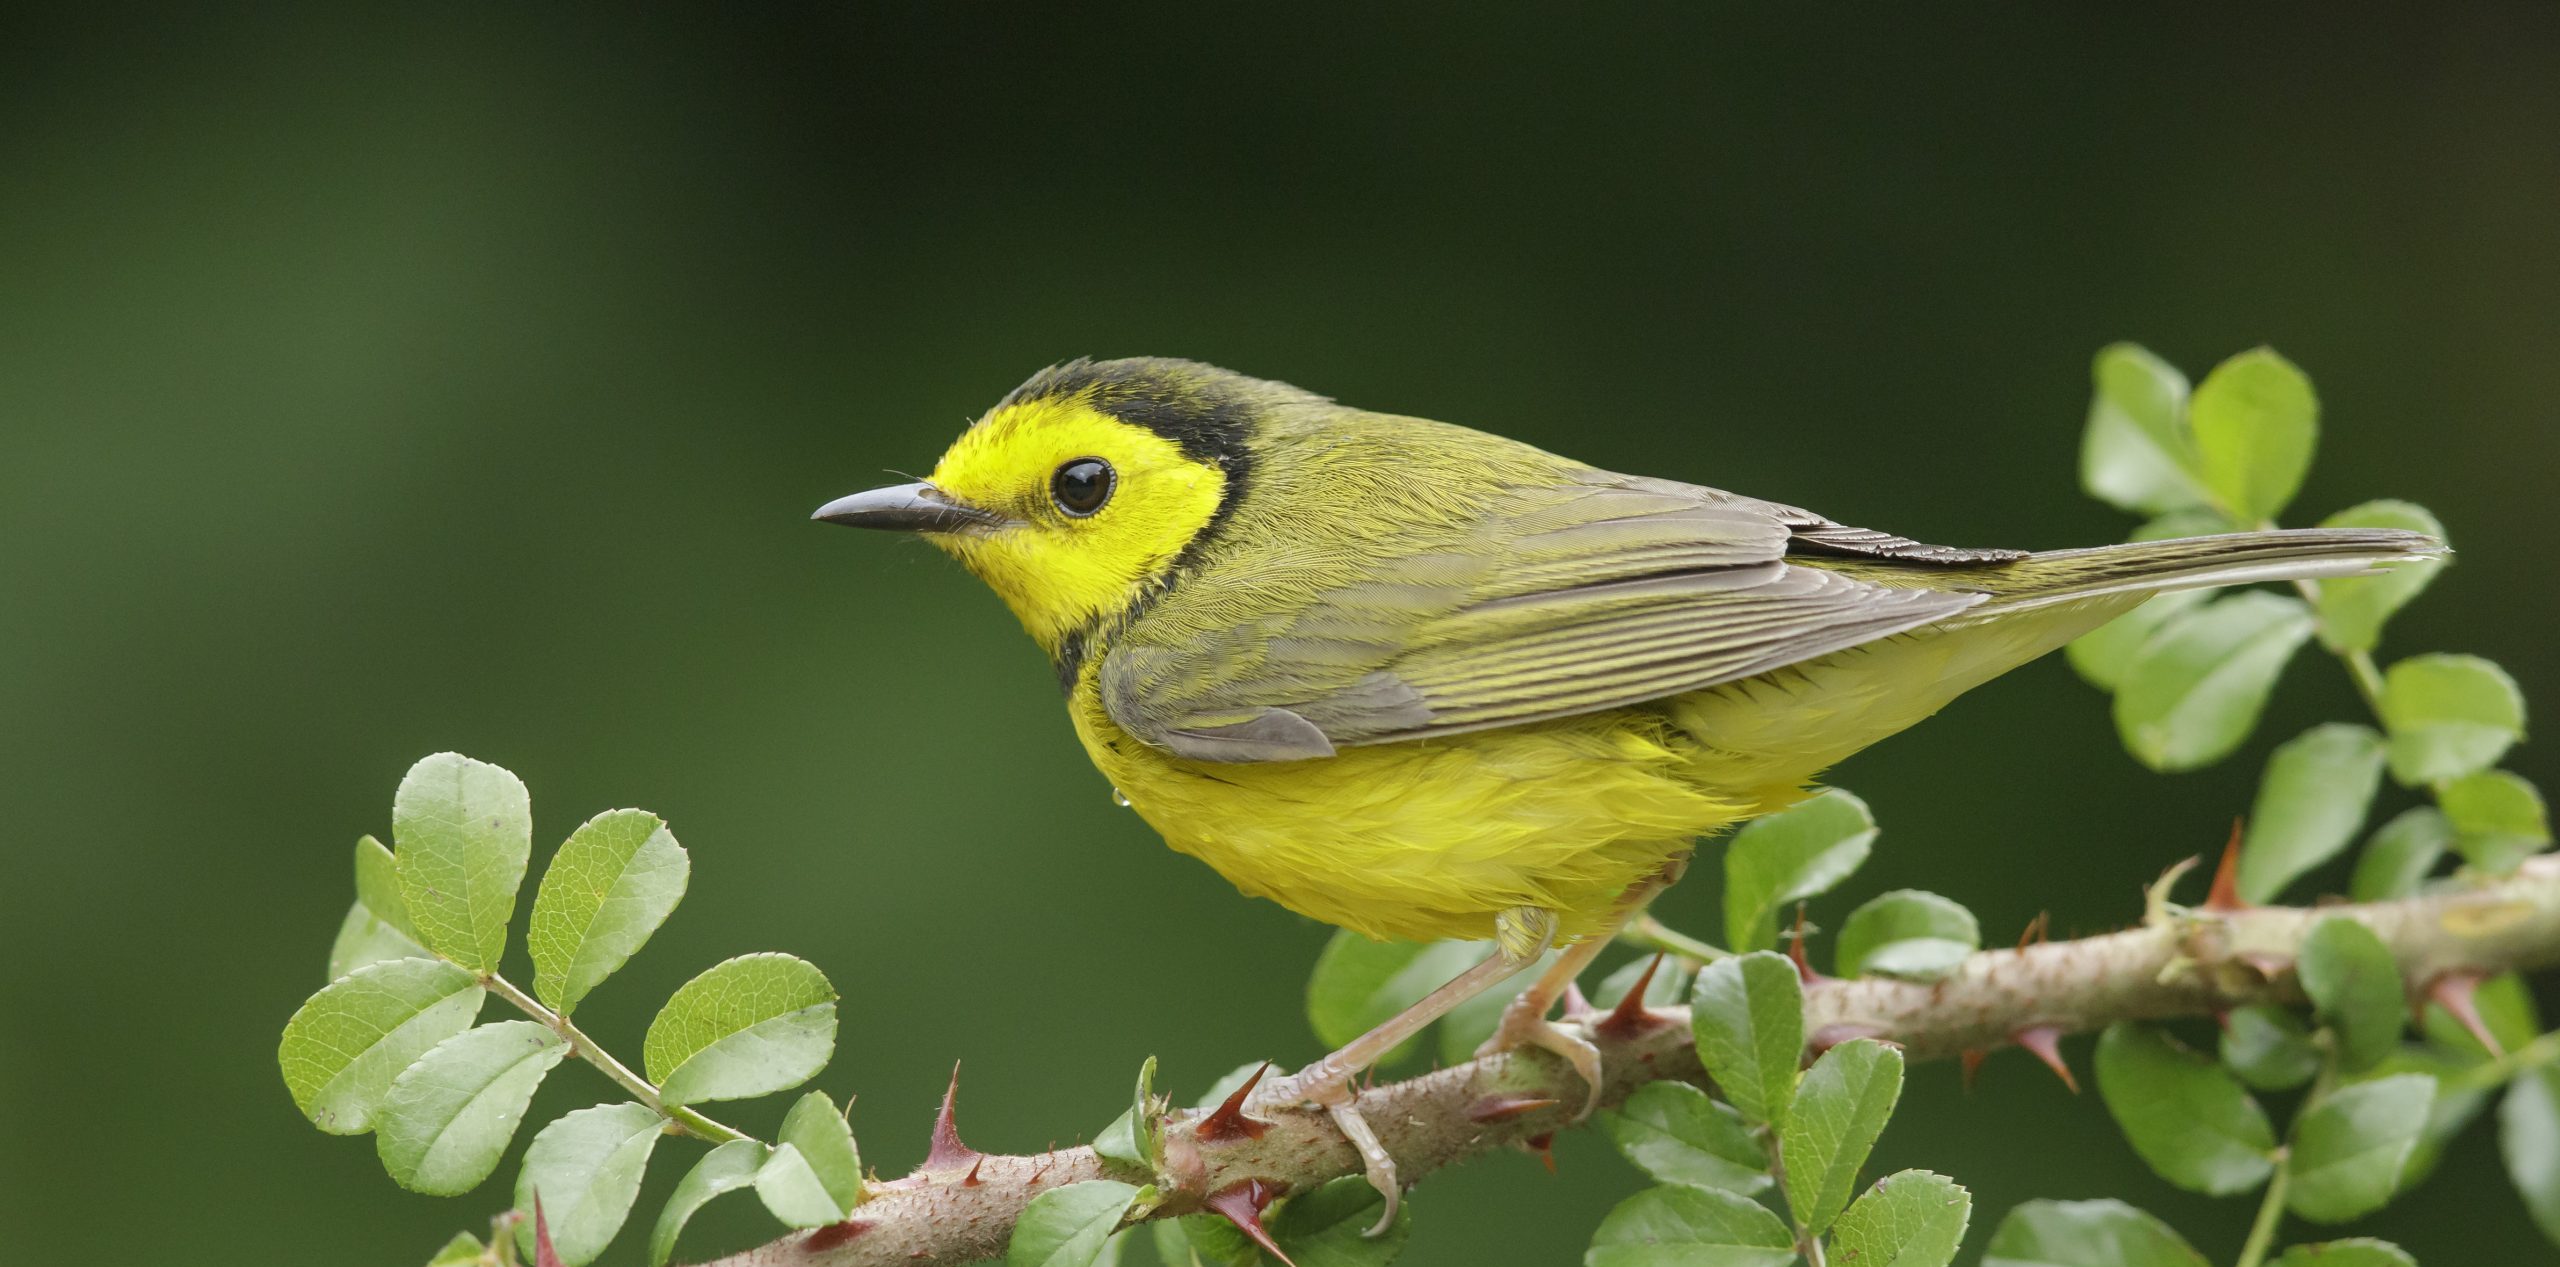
x,y
1067,512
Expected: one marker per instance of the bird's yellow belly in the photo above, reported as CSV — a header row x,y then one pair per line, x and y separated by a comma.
x,y
1433,838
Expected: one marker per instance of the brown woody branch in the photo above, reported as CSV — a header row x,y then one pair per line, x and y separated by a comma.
x,y
2180,963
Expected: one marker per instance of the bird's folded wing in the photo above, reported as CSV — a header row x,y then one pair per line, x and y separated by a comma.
x,y
1556,601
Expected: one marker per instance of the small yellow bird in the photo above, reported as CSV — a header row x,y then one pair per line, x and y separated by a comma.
x,y
1423,682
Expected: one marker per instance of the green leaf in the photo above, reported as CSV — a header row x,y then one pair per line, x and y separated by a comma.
x,y
1795,853
607,889
2453,1108
825,1140
1329,1226
1202,1240
450,1116
2506,1010
1748,1015
1470,1023
1840,1109
2255,423
2185,1116
1675,1133
364,940
1911,1218
727,1168
1065,1227
2317,788
2195,689
1690,1227
586,1167
2449,715
345,1044
2353,609
2102,655
2136,452
2361,1251
750,1026
2398,856
2350,1146
2529,1140
2086,1234
462,1250
1359,983
378,887
1906,933
2498,819
792,1192
1137,1135
2268,1047
465,832
2355,990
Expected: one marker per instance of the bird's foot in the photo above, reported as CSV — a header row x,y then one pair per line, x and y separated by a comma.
x,y
1329,1086
1525,1025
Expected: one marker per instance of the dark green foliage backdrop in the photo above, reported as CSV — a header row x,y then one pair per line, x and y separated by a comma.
x,y
375,383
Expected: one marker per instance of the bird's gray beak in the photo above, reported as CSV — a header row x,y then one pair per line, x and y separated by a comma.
x,y
917,507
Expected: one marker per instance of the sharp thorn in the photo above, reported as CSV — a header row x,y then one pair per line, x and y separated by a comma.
x,y
2455,992
1576,1004
544,1255
1229,1121
1545,1147
2046,1042
2033,934
970,1180
1972,1059
832,1235
2225,893
1629,1018
1503,1108
947,1152
1242,1204
1795,949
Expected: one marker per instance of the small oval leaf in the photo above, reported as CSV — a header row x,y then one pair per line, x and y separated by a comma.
x,y
2399,855
586,1167
450,1116
2255,422
2317,788
346,1044
2449,715
1683,1227
2353,609
749,1026
792,1192
1675,1133
1906,933
727,1168
1792,854
2355,990
1747,1013
1840,1108
825,1140
2529,1141
464,833
610,886
2350,1146
2102,655
378,886
2135,452
2498,819
2269,1048
1066,1226
2186,1116
1908,1219
2102,1233
2195,689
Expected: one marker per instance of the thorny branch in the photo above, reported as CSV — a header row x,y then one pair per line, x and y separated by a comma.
x,y
960,1206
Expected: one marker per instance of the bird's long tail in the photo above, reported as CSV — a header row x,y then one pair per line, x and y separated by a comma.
x,y
2239,558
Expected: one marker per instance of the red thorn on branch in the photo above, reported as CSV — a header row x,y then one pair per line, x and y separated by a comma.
x,y
1629,1018
1830,1036
1229,1120
2454,992
2046,1042
1503,1108
1242,1204
2225,893
1971,1058
833,1235
2033,933
543,1253
1795,950
1545,1147
948,1153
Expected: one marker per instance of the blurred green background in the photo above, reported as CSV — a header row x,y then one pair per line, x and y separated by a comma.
x,y
374,382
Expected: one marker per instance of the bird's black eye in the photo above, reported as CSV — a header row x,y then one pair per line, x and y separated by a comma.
x,y
1081,486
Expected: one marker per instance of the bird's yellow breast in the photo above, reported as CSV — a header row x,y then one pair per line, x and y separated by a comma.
x,y
1431,838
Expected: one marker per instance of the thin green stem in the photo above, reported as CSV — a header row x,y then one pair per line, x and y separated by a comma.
x,y
1648,933
593,1052
2262,1233
2492,1074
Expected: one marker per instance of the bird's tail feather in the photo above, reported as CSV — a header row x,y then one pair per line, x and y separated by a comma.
x,y
2238,558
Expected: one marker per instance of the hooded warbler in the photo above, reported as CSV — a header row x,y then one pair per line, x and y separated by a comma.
x,y
1420,681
